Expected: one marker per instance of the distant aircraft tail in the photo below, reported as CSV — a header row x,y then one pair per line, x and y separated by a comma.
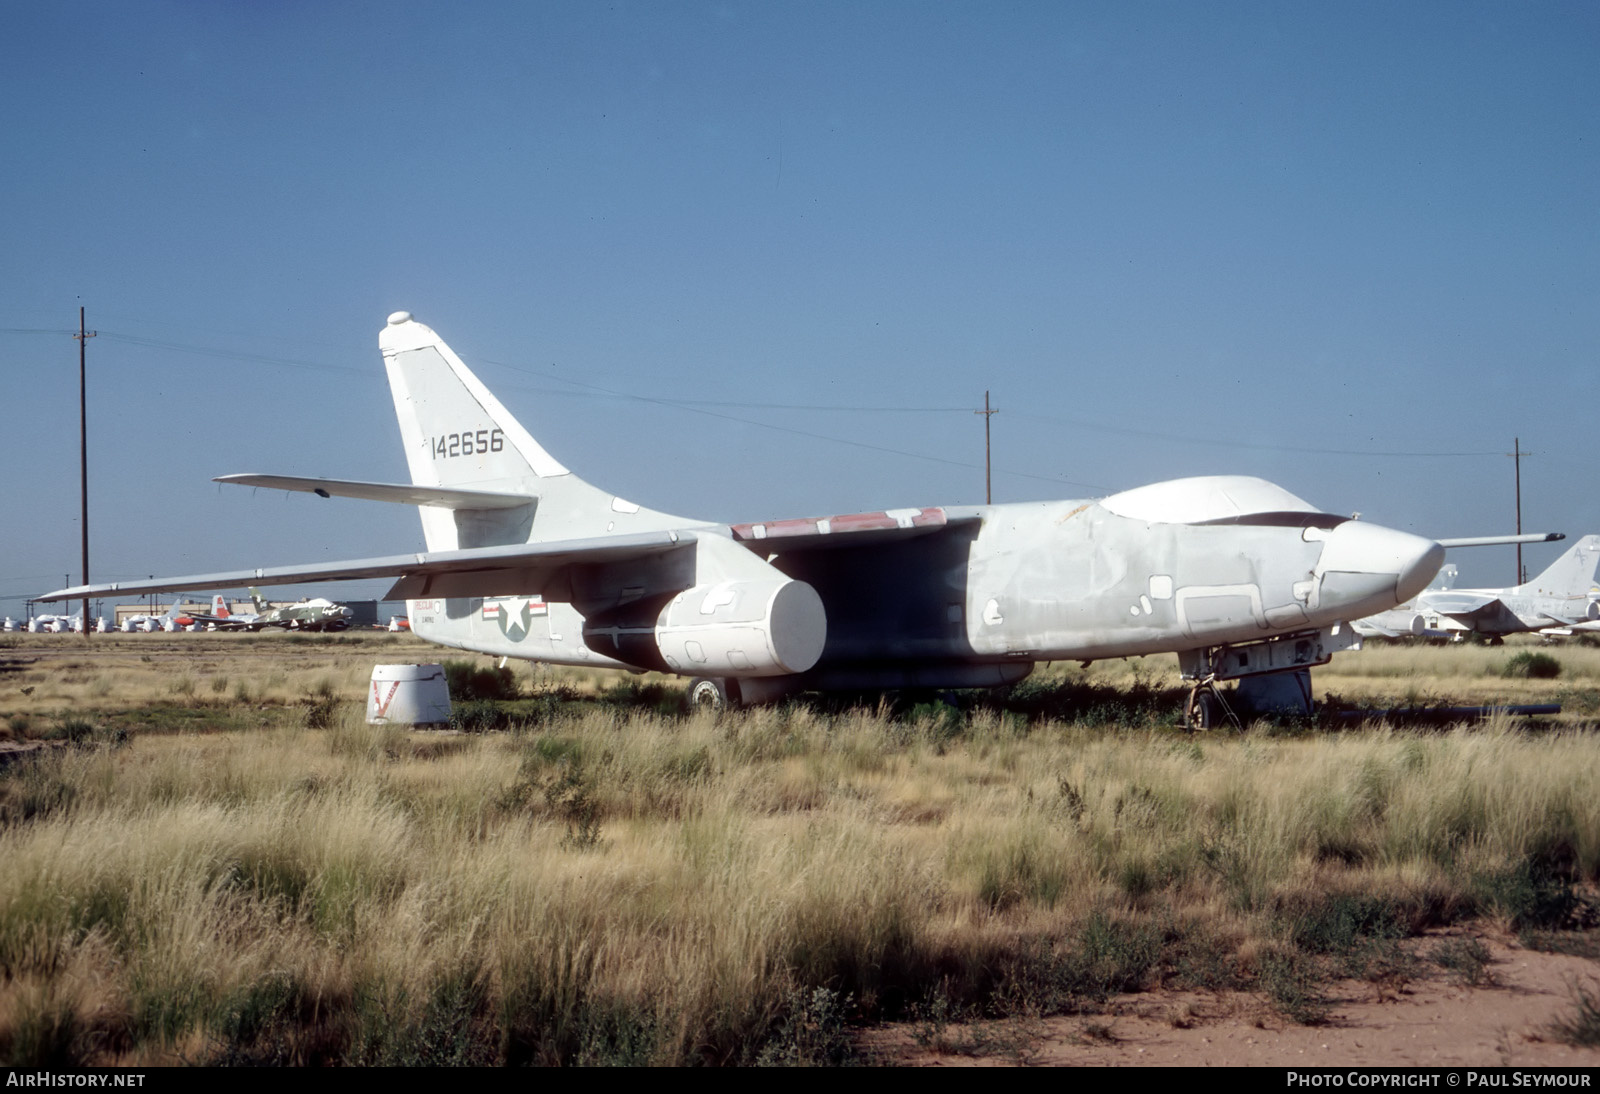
x,y
457,434
255,599
219,606
1571,575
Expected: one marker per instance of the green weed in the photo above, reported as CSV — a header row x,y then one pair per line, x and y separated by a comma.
x,y
1530,665
1294,985
813,1032
468,680
1582,1027
1466,959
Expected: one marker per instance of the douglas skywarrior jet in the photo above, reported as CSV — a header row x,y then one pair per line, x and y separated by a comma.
x,y
524,559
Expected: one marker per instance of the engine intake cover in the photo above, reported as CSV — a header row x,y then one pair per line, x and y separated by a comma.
x,y
731,628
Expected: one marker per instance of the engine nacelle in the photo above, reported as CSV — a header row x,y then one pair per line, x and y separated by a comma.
x,y
731,628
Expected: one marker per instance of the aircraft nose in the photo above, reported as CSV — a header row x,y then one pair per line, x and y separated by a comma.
x,y
1366,568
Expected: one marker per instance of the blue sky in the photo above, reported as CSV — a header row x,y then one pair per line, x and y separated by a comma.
x,y
1353,248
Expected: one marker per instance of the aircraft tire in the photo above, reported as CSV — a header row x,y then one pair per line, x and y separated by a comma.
x,y
1202,711
713,693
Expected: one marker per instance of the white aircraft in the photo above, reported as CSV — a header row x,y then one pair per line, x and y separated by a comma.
x,y
524,559
55,624
175,619
1565,596
220,618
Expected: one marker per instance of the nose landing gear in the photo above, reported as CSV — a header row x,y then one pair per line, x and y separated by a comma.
x,y
1206,709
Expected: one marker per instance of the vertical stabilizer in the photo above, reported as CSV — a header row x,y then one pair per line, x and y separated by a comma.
x,y
457,434
1573,574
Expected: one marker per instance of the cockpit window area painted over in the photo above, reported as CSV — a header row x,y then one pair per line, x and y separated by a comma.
x,y
1216,499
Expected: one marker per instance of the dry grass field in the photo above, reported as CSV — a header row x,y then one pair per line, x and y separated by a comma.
x,y
207,856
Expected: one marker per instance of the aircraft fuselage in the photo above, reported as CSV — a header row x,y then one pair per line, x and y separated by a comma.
x,y
1070,580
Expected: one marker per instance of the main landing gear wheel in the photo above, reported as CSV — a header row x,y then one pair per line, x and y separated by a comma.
x,y
713,693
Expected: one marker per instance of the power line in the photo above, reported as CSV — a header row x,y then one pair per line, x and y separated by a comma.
x,y
232,355
1219,442
709,405
697,409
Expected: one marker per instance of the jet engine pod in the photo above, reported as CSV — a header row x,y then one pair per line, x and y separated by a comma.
x,y
731,628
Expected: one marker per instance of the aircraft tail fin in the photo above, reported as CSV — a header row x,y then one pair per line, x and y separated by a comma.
x,y
219,606
458,435
255,599
1573,574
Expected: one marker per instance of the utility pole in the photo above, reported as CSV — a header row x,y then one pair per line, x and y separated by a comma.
x,y
988,495
83,337
1516,455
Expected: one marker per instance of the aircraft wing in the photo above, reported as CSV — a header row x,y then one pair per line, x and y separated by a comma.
x,y
402,493
1379,626
850,529
1555,620
1485,611
479,571
1476,611
1569,629
1460,604
522,568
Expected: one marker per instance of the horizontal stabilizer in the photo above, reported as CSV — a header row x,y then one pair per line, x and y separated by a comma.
x,y
480,571
441,497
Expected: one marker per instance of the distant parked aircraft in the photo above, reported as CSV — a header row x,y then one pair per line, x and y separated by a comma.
x,y
175,619
56,624
316,614
221,617
1237,576
1566,595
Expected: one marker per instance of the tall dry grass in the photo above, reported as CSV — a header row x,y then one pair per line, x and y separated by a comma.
x,y
607,885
